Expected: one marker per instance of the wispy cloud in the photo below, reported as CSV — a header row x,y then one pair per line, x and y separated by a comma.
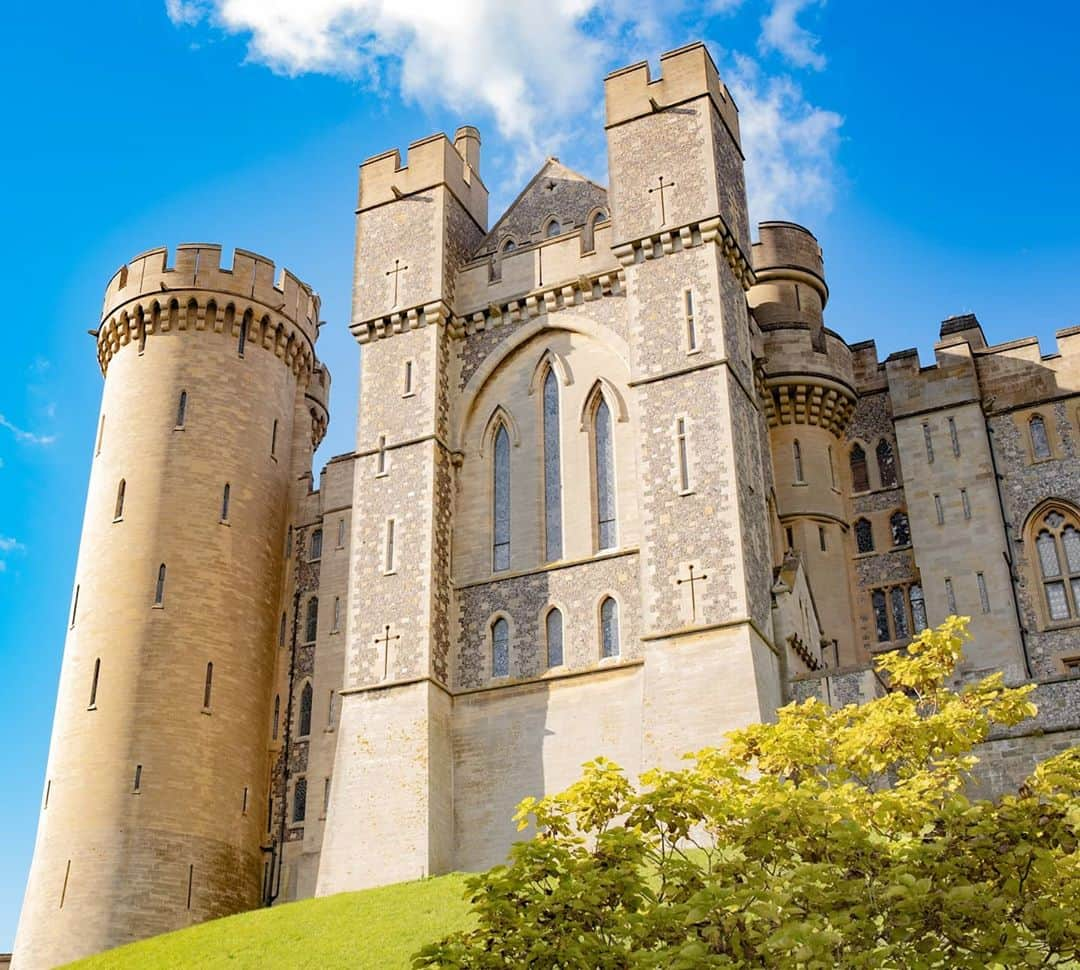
x,y
781,31
7,546
26,437
538,99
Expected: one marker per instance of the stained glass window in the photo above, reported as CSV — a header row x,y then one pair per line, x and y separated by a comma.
x,y
501,544
899,613
886,463
860,476
552,470
864,536
918,607
881,616
554,626
1040,443
605,478
609,628
500,648
304,723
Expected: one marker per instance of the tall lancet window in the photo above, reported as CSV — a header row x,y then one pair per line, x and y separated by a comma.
x,y
500,648
554,628
605,478
500,550
609,628
552,470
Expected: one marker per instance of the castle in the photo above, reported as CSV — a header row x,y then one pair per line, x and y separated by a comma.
x,y
616,490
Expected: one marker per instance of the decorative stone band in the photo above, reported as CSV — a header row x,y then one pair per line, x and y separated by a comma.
x,y
814,401
547,299
199,310
707,231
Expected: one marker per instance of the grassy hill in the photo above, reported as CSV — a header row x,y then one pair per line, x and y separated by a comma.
x,y
378,929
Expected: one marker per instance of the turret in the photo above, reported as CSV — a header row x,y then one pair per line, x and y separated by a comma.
x,y
155,807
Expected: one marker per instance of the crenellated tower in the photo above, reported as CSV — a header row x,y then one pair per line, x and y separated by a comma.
x,y
154,814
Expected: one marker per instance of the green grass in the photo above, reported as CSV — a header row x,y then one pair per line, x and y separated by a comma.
x,y
378,929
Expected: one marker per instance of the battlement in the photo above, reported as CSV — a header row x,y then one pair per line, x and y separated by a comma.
x,y
199,267
432,161
686,73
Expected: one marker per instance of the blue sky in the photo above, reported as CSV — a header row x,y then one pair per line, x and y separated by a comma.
x,y
931,146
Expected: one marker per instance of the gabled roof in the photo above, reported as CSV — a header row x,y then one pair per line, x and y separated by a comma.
x,y
555,191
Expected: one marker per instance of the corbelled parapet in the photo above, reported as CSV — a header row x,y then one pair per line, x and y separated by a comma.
x,y
147,296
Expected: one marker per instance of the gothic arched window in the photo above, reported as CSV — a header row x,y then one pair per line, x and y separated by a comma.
x,y
553,626
500,548
311,624
500,648
553,229
886,463
901,531
1057,543
303,727
119,511
604,461
552,470
609,628
159,589
860,476
1040,443
864,536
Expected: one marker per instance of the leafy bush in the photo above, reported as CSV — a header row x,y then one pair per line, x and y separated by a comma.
x,y
831,838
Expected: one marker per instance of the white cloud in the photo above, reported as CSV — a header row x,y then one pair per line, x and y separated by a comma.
x,y
27,437
7,544
544,95
781,31
790,145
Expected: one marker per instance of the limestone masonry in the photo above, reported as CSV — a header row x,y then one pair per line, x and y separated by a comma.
x,y
616,490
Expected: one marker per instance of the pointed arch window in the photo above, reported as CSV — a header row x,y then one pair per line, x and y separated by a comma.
x,y
553,229
303,728
159,588
553,627
886,463
1057,544
500,546
553,543
311,624
181,409
864,536
500,648
901,531
604,463
609,628
796,455
118,512
860,476
1040,442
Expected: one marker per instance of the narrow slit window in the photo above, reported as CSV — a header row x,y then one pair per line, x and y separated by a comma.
x,y
277,717
273,439
138,780
100,435
190,883
118,512
311,624
832,467
159,588
75,604
63,890
326,796
790,536
330,702
336,626
605,477
954,437
341,534
553,544
984,593
500,552
307,698
243,334
142,337
939,509
48,791
380,458
683,456
950,596
225,503
821,538
691,321
553,625
609,628
94,683
500,648
181,409
796,454
208,686
244,802
928,441
389,548
269,813
918,608
300,800
965,502
408,378
281,631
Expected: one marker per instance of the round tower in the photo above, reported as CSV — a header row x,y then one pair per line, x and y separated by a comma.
x,y
155,802
809,396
